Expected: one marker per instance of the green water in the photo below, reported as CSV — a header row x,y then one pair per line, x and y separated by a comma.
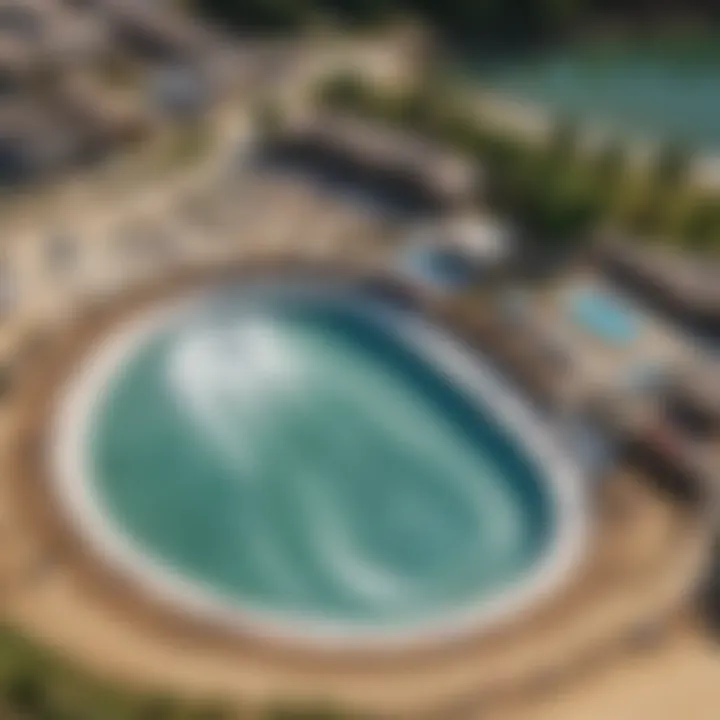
x,y
300,458
661,89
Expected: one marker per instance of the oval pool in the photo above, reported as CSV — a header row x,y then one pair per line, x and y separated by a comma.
x,y
316,463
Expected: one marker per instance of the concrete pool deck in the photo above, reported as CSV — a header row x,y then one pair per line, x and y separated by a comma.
x,y
641,564
675,679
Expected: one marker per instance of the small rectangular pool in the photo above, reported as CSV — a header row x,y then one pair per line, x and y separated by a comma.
x,y
604,315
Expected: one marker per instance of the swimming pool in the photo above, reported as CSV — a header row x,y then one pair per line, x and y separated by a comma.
x,y
604,315
314,463
437,267
665,89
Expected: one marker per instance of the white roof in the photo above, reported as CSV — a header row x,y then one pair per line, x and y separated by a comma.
x,y
486,238
482,239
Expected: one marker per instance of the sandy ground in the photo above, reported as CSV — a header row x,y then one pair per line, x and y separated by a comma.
x,y
680,680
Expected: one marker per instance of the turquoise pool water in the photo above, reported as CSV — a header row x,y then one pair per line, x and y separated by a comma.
x,y
661,89
297,455
604,315
438,268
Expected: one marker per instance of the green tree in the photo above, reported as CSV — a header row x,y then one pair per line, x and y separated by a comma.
x,y
562,145
654,210
610,167
24,693
343,90
558,212
420,109
520,24
158,708
248,15
359,12
701,228
671,168
215,710
290,711
644,217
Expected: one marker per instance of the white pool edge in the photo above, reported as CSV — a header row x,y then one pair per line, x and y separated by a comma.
x,y
74,490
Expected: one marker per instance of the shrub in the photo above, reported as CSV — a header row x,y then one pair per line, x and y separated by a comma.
x,y
269,119
562,144
344,90
701,227
671,167
24,693
610,165
291,711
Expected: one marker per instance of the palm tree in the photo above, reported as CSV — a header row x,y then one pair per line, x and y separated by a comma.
x,y
669,173
609,171
671,167
562,145
550,168
701,227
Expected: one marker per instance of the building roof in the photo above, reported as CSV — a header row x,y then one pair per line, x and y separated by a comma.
x,y
175,32
701,386
34,29
43,136
691,279
25,121
443,171
484,240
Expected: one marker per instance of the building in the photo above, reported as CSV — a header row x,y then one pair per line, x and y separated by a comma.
x,y
457,252
30,143
155,31
418,173
37,34
39,138
686,287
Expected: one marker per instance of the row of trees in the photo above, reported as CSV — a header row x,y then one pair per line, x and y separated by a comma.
x,y
557,190
496,22
37,685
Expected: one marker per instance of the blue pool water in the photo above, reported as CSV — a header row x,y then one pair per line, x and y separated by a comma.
x,y
298,455
665,89
604,315
439,268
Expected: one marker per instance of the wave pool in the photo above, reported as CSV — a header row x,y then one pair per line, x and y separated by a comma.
x,y
315,463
